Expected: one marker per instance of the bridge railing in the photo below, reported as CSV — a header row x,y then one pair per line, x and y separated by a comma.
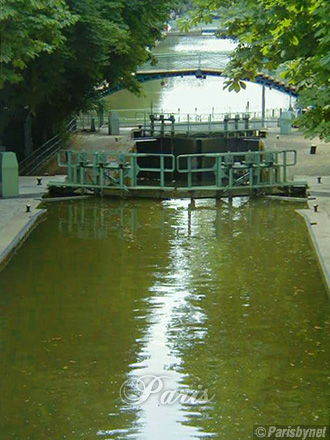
x,y
186,60
135,117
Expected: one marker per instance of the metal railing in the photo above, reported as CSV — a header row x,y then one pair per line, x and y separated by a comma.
x,y
252,170
184,122
227,171
39,156
187,61
110,169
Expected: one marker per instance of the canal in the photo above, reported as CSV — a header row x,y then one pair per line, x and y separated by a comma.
x,y
223,304
191,95
147,319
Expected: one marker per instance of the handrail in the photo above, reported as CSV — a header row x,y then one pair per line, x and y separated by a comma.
x,y
42,154
232,155
228,171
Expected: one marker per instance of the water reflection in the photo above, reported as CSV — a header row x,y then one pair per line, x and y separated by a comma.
x,y
221,297
157,358
95,221
191,95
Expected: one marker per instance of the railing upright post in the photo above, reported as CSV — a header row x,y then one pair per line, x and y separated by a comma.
x,y
69,160
188,124
162,179
218,171
189,173
263,105
134,170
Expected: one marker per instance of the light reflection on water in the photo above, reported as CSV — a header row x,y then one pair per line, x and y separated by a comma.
x,y
224,298
191,95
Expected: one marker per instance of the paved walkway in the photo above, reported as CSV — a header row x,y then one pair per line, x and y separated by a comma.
x,y
15,222
308,164
317,219
309,167
98,141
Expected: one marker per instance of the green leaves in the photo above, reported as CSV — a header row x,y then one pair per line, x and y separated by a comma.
x,y
28,28
289,36
55,53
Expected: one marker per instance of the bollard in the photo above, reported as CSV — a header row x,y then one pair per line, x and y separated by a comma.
x,y
237,118
315,207
93,129
109,125
225,122
319,180
39,179
313,149
246,119
28,208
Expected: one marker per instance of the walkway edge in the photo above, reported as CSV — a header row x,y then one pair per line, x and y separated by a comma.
x,y
20,237
322,264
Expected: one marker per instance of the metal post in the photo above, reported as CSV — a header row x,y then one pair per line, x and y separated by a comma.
x,y
81,175
121,177
93,125
162,126
263,105
188,122
101,117
237,117
246,120
69,160
162,179
210,124
101,182
218,171
189,172
134,170
284,166
225,122
109,124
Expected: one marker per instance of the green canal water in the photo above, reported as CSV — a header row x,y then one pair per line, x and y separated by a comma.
x,y
226,300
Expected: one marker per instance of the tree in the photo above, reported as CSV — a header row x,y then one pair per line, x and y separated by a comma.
x,y
105,41
292,36
27,29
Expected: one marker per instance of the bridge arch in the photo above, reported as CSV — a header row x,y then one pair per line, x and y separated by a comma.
x,y
199,65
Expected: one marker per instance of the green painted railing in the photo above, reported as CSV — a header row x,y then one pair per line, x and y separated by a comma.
x,y
227,171
100,170
251,170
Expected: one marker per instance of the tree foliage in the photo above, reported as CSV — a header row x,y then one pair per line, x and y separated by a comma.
x,y
292,36
27,29
57,53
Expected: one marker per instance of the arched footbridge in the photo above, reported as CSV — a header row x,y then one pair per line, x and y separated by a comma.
x,y
198,64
